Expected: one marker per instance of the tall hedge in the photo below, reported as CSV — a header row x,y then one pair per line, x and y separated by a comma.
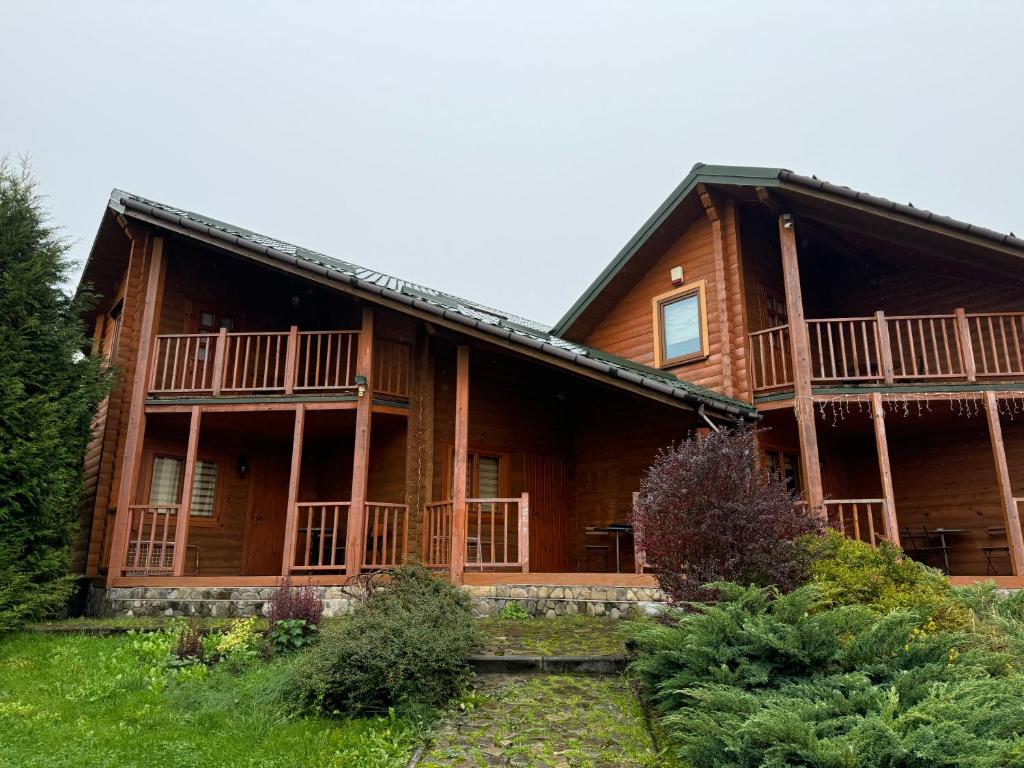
x,y
48,393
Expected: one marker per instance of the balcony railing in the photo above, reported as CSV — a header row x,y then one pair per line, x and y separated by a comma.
x,y
282,363
895,348
497,534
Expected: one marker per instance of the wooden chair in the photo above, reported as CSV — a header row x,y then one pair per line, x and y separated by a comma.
x,y
997,546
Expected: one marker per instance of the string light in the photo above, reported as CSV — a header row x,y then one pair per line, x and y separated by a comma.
x,y
835,409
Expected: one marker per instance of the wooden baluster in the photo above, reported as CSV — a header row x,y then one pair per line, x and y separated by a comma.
x,y
174,364
842,348
883,347
771,351
309,534
856,521
1007,366
1016,342
163,373
950,368
821,352
853,345
870,510
504,527
524,532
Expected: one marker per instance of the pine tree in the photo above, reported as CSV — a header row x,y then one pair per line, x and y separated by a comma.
x,y
48,393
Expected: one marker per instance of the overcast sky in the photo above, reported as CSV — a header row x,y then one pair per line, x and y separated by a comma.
x,y
503,152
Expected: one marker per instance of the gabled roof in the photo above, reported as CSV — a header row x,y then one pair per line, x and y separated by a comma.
x,y
505,325
783,181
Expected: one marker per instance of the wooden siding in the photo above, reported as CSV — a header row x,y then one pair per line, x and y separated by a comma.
x,y
628,330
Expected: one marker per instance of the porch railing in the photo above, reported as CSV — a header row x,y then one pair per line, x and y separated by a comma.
x,y
386,535
860,519
437,534
321,528
497,533
150,546
894,348
273,362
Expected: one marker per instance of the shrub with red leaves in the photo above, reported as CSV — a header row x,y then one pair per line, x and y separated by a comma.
x,y
291,601
707,513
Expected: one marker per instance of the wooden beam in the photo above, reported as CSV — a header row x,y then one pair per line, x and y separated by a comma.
x,y
1011,514
892,530
354,542
184,510
721,289
460,475
136,428
963,335
801,356
419,462
294,475
884,347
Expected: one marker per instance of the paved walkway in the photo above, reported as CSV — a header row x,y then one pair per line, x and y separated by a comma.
x,y
545,721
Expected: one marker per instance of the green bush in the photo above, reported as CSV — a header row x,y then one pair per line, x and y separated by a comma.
x,y
514,611
762,679
289,635
408,644
849,572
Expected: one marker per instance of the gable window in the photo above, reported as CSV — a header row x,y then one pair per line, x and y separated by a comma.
x,y
168,477
680,325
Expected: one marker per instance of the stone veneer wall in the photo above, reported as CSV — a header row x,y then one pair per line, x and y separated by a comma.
x,y
228,602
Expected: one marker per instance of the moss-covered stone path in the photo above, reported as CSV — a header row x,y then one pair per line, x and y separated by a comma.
x,y
544,721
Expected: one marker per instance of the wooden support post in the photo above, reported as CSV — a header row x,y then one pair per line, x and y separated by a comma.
x,y
884,347
419,452
355,541
1011,515
292,513
892,530
184,510
801,355
219,354
963,334
524,532
459,480
291,360
136,429
724,331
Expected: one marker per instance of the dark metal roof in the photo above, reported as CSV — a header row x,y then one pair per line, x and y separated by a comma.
x,y
505,325
780,178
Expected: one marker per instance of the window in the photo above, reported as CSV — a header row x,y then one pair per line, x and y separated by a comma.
x,y
211,322
680,325
785,466
167,479
483,476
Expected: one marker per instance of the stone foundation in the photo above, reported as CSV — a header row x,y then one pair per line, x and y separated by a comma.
x,y
239,602
549,602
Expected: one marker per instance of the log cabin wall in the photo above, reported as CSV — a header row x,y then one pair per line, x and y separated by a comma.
x,y
254,297
616,437
115,407
628,328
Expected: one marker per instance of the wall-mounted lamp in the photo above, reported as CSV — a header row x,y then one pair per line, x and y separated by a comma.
x,y
243,466
676,273
361,383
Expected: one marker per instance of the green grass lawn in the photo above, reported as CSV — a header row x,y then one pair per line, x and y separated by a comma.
x,y
71,700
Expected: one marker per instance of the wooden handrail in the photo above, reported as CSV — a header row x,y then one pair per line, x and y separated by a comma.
x,y
854,528
437,533
150,543
319,536
497,535
895,348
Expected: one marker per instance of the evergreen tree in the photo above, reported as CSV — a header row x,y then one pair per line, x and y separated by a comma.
x,y
48,393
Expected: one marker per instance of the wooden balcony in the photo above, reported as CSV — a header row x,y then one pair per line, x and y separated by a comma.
x,y
890,349
321,530
272,363
151,534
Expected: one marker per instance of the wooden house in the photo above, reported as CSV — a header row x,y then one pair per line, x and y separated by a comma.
x,y
278,411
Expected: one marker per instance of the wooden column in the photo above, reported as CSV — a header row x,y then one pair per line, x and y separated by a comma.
x,y
136,429
963,334
419,449
892,530
220,352
459,515
524,532
291,360
800,346
291,514
355,542
184,510
720,289
1009,504
884,347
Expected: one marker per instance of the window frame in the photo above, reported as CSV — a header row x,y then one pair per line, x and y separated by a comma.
x,y
218,490
780,455
696,288
473,462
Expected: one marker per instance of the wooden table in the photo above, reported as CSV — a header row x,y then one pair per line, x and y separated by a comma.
x,y
616,529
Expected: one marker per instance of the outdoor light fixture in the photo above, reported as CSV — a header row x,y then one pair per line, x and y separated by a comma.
x,y
361,383
243,466
676,273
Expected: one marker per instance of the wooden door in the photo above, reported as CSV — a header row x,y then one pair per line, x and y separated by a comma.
x,y
551,519
268,504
